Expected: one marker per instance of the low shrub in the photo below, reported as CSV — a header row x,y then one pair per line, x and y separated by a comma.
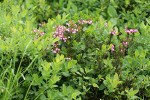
x,y
74,50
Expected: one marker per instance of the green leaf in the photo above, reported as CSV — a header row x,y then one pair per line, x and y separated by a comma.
x,y
148,20
54,79
102,87
116,80
24,13
37,80
95,85
75,94
59,58
46,65
131,93
112,11
66,74
71,64
136,53
104,48
113,21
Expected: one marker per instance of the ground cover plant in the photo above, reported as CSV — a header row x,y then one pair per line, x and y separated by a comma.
x,y
74,50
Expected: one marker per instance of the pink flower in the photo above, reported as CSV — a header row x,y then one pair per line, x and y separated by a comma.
x,y
127,31
125,44
90,22
60,30
38,32
81,22
64,39
42,33
112,48
74,30
34,30
130,31
56,44
56,50
75,25
68,30
135,30
113,32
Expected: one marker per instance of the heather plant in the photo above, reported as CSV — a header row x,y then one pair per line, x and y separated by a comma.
x,y
74,50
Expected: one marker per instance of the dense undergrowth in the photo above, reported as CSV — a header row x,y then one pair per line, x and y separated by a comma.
x,y
74,50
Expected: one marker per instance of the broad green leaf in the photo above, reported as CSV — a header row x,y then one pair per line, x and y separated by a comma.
x,y
112,11
95,85
113,21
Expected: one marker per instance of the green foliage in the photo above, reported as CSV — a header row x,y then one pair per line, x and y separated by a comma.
x,y
111,11
74,49
112,84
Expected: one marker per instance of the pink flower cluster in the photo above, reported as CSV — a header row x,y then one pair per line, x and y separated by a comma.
x,y
60,33
55,48
70,24
130,31
72,27
39,32
125,44
112,48
122,48
84,21
71,30
113,32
